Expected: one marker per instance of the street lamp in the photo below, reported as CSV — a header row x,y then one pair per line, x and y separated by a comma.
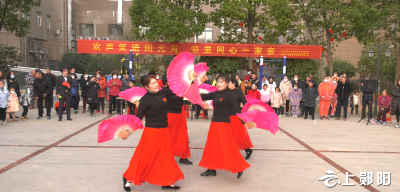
x,y
38,55
370,55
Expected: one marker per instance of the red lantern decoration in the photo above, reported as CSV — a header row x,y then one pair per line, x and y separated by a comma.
x,y
332,39
192,34
241,24
16,34
259,37
322,49
173,36
343,34
330,31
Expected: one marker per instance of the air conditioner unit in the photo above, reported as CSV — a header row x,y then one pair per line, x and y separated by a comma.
x,y
79,38
57,31
106,38
88,38
97,38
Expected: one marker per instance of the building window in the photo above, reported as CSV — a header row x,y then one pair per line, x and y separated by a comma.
x,y
85,29
31,46
48,22
207,34
115,30
38,18
52,64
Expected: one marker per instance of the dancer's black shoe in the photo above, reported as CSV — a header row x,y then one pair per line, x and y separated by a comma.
x,y
170,187
240,174
125,182
209,172
185,161
248,153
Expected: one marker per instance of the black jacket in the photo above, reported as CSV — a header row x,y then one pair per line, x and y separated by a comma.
x,y
309,96
174,102
224,103
396,98
61,89
301,84
92,95
13,83
52,78
85,86
42,86
343,90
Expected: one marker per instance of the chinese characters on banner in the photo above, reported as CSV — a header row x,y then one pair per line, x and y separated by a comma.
x,y
201,49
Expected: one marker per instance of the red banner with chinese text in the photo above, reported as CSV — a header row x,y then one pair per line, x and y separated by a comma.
x,y
201,49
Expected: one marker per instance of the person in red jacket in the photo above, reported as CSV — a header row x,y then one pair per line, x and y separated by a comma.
x,y
115,87
326,92
254,92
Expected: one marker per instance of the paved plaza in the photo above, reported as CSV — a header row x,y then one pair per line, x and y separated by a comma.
x,y
47,155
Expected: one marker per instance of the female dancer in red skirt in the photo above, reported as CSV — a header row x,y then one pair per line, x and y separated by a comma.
x,y
177,125
239,131
221,151
153,160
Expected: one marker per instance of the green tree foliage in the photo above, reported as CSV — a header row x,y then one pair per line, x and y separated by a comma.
x,y
260,18
166,20
10,15
300,67
9,57
387,66
337,20
224,65
389,23
342,66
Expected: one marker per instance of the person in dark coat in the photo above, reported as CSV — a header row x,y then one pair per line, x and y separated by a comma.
x,y
12,82
395,105
92,95
52,78
64,93
42,91
367,98
343,91
309,95
125,86
85,86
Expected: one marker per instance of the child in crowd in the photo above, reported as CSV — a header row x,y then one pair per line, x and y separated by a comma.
x,y
354,102
131,105
276,101
4,98
265,94
25,101
13,105
92,95
295,96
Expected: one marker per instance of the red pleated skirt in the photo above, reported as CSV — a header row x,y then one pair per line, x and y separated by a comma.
x,y
240,133
178,135
153,160
221,151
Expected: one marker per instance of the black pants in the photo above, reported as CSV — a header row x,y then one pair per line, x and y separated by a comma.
x,y
114,103
47,101
198,109
92,107
25,112
101,102
277,110
287,106
67,101
3,114
352,109
382,114
131,108
123,104
111,103
309,110
364,103
397,112
301,108
340,104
